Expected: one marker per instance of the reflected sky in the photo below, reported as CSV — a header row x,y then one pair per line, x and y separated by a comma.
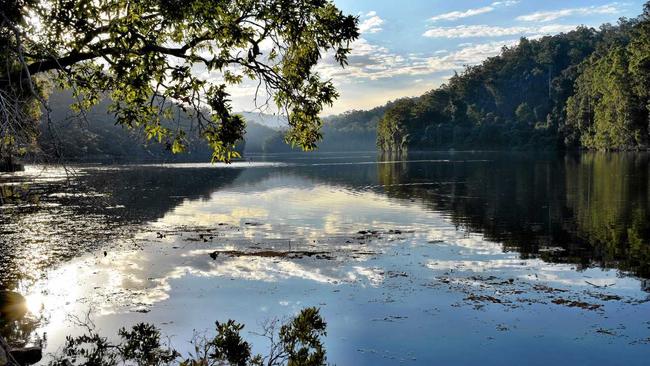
x,y
397,281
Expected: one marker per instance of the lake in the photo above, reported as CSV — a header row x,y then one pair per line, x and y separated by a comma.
x,y
434,259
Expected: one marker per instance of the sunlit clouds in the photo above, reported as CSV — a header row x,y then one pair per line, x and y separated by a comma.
x,y
370,23
373,62
548,16
486,31
455,15
406,50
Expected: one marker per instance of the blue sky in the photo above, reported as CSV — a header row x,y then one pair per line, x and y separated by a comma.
x,y
409,46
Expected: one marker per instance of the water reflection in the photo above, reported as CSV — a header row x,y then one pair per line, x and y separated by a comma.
x,y
590,209
391,247
86,210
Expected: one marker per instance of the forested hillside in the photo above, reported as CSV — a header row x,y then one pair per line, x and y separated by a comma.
x,y
353,130
587,88
350,131
95,136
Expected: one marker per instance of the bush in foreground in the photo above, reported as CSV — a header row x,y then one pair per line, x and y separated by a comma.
x,y
297,342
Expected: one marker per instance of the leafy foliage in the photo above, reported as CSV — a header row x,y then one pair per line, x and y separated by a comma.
x,y
228,344
302,339
99,139
298,343
586,88
142,346
610,107
145,54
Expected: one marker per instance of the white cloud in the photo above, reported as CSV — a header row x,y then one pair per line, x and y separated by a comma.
x,y
455,15
548,16
371,23
475,54
505,3
470,31
372,62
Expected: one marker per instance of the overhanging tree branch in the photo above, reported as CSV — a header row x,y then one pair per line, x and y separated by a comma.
x,y
144,51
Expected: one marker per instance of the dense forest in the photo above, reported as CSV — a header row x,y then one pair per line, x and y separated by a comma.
x,y
588,88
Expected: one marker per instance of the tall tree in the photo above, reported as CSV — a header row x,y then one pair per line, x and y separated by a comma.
x,y
147,54
640,64
610,108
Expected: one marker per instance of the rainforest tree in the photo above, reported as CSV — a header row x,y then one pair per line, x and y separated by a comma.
x,y
146,55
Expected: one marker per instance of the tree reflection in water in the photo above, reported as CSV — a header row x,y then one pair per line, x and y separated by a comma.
x,y
589,209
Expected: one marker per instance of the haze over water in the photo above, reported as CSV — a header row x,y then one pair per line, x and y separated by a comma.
x,y
520,258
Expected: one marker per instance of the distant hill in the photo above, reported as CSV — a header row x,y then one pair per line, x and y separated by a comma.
x,y
275,122
97,138
349,131
353,130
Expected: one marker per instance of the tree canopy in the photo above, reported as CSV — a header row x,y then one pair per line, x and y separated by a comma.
x,y
147,55
611,105
587,88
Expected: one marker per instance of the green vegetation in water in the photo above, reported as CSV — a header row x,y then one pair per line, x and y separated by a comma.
x,y
583,89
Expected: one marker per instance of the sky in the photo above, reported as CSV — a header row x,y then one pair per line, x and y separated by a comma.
x,y
408,47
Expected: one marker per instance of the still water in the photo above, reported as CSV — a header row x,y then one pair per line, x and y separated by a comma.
x,y
461,258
